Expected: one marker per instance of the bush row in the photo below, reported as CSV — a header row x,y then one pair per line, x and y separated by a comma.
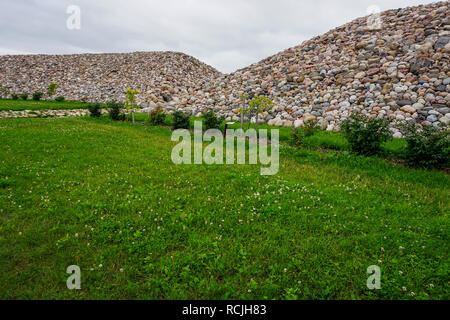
x,y
427,146
36,96
157,117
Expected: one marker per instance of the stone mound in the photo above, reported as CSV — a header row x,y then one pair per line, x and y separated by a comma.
x,y
395,67
396,70
161,77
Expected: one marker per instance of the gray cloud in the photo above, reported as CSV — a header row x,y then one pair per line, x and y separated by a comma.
x,y
227,34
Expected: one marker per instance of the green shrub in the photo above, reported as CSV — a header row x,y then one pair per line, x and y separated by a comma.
x,y
310,127
297,137
95,109
14,96
428,147
211,120
157,116
37,95
115,109
60,99
52,89
24,96
180,120
365,135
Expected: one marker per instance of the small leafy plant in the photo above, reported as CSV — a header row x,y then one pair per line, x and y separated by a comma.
x,y
60,99
297,137
211,120
365,135
115,109
180,120
37,95
24,96
52,89
14,96
428,147
95,109
310,127
157,116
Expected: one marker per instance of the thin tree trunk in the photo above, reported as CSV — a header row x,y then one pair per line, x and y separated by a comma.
x,y
132,114
249,120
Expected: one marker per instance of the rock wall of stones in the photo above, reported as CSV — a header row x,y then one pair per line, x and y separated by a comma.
x,y
4,114
161,77
399,70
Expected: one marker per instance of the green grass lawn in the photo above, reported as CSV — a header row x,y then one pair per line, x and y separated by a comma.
x,y
19,105
105,196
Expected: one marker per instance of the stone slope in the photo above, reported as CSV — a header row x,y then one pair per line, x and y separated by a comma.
x,y
399,71
164,77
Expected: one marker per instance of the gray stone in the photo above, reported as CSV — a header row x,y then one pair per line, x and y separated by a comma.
x,y
403,103
432,118
441,42
444,110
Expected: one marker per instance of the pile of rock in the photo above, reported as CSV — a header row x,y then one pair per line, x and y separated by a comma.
x,y
398,71
161,77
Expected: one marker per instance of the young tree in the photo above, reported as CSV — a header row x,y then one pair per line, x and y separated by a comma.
x,y
130,101
259,104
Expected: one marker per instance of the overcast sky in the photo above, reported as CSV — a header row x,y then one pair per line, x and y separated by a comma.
x,y
227,34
